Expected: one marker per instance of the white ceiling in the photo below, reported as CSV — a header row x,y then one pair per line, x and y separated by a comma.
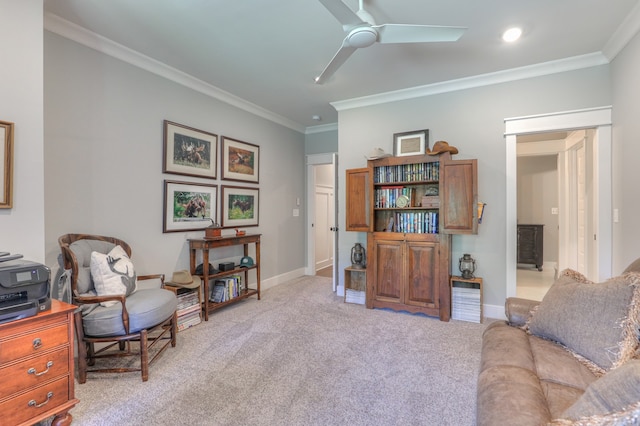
x,y
268,52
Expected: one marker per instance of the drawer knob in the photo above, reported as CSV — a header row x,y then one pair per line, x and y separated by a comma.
x,y
32,370
37,343
33,402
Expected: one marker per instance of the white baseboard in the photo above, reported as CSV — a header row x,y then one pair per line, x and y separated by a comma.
x,y
494,311
282,278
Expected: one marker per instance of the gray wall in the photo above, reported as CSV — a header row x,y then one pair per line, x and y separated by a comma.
x,y
22,227
103,167
625,69
321,142
473,121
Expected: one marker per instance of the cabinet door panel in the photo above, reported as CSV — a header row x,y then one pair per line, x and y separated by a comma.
x,y
388,273
423,279
358,200
459,198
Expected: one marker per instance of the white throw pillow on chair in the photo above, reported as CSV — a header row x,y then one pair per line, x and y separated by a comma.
x,y
112,273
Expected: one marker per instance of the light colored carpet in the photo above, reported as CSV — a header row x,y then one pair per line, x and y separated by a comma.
x,y
299,356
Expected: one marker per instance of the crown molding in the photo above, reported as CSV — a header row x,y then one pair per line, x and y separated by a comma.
x,y
321,128
537,70
81,35
623,35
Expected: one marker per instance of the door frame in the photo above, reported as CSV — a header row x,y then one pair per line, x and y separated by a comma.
x,y
312,161
597,118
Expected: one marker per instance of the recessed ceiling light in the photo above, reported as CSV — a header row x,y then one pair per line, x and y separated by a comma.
x,y
512,34
316,117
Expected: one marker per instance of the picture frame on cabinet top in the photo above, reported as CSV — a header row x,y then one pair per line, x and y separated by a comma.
x,y
410,143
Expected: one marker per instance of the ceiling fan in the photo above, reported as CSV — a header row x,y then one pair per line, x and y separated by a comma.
x,y
362,31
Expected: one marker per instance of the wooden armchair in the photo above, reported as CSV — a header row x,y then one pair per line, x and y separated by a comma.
x,y
147,315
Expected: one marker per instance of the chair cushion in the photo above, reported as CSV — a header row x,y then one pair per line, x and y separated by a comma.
x,y
113,273
82,250
596,321
146,308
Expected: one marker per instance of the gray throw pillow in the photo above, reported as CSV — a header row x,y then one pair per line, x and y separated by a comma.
x,y
633,267
614,393
592,320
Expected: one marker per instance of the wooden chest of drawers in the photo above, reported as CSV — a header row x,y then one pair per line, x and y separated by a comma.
x,y
530,244
36,367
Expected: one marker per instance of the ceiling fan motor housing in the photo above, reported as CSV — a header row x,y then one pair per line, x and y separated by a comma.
x,y
362,37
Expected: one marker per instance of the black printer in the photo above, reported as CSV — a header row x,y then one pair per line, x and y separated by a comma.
x,y
25,288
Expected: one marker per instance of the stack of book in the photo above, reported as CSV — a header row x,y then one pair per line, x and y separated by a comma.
x,y
189,310
465,302
225,289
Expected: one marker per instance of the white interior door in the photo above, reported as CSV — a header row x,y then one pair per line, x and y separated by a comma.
x,y
324,223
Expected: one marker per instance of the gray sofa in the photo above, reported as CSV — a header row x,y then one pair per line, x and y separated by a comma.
x,y
571,359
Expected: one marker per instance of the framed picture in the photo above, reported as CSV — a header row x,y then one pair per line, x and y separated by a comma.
x,y
6,164
240,160
189,206
410,143
240,206
190,152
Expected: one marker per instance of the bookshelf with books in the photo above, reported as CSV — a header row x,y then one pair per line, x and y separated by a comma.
x,y
417,202
239,276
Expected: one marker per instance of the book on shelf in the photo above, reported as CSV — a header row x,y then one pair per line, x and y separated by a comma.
x,y
417,172
225,289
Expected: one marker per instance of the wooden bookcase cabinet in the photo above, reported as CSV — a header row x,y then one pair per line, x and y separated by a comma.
x,y
409,264
205,245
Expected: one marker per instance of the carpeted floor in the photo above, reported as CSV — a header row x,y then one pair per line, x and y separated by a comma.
x,y
299,356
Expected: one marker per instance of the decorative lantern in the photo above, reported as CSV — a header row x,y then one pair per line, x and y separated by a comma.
x,y
358,258
467,266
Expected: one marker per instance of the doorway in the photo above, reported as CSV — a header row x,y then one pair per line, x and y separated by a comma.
x,y
555,182
324,220
538,195
322,207
600,196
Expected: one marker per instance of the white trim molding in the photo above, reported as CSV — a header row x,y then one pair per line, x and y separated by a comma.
x,y
531,71
593,118
81,35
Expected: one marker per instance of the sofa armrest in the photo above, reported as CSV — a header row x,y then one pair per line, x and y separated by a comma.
x,y
518,310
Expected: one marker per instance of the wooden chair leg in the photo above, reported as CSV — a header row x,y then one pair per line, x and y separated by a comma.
x,y
91,352
82,349
174,329
144,356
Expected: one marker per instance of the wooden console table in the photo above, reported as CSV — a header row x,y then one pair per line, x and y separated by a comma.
x,y
206,244
36,366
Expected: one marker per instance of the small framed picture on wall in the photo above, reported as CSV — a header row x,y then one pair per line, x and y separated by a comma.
x,y
189,206
189,151
240,206
240,160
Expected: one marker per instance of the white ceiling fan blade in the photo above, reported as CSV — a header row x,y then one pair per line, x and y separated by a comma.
x,y
342,13
338,59
406,33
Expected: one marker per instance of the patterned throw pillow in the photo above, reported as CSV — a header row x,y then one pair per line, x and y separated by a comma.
x,y
596,321
113,273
